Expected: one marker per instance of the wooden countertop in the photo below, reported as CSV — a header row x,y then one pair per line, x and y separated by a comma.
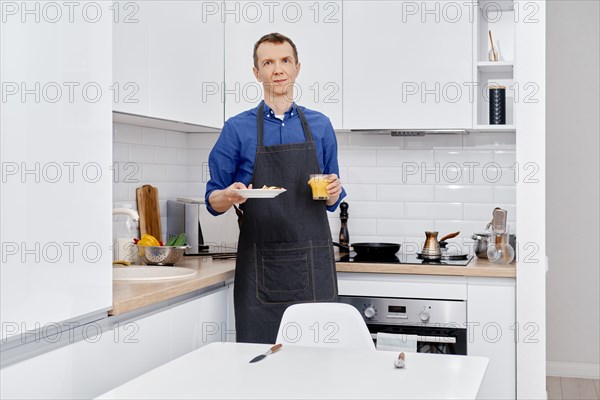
x,y
477,267
131,295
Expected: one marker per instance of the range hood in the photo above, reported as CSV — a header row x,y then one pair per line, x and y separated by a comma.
x,y
413,132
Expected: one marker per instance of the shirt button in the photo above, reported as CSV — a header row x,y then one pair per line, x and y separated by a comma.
x,y
282,124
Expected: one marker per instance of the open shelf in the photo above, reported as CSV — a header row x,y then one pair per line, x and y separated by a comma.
x,y
495,66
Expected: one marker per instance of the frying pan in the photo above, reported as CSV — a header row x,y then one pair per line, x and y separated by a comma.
x,y
372,250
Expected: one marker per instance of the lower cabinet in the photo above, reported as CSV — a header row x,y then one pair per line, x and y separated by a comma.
x,y
491,314
109,356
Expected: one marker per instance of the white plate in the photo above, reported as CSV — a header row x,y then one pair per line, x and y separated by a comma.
x,y
259,193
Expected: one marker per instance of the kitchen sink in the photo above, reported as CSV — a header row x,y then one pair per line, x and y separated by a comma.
x,y
150,273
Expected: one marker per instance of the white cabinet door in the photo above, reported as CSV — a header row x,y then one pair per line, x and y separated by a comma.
x,y
407,64
131,57
199,322
316,29
491,316
56,145
105,359
186,62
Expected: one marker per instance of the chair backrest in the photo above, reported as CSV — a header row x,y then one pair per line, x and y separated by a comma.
x,y
324,325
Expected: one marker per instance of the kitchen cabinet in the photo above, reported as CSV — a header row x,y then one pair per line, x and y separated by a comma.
x,y
113,353
492,333
131,56
56,146
199,322
407,65
316,29
170,61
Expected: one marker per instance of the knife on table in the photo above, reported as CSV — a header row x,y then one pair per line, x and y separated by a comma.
x,y
272,350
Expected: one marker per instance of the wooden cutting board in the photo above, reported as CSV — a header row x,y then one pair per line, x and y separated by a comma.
x,y
149,210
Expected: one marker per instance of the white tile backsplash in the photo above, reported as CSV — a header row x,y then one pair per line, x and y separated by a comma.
x,y
460,193
154,137
489,140
505,158
167,155
398,158
358,191
357,158
377,209
178,140
405,192
153,172
459,157
120,152
398,187
422,210
127,134
505,194
431,142
141,153
202,140
403,227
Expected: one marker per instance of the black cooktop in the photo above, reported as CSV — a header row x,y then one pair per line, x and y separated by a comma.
x,y
399,258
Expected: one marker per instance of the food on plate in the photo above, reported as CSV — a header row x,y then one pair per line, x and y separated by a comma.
x,y
265,187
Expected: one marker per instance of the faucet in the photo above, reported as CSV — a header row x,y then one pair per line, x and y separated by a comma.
x,y
127,211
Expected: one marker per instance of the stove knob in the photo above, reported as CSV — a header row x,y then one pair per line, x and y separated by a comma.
x,y
424,315
369,312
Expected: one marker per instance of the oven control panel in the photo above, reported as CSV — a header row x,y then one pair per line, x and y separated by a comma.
x,y
400,311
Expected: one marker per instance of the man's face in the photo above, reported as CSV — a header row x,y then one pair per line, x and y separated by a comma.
x,y
277,69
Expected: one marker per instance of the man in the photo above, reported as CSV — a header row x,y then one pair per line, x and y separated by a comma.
x,y
285,253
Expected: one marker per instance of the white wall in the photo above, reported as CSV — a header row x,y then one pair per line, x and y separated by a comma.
x,y
573,301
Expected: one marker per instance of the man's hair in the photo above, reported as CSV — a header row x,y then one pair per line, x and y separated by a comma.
x,y
276,38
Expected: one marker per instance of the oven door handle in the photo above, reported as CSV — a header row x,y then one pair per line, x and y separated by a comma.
x,y
430,339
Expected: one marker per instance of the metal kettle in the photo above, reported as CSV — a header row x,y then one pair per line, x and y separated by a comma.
x,y
431,248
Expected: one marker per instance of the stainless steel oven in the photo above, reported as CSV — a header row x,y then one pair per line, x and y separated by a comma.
x,y
439,325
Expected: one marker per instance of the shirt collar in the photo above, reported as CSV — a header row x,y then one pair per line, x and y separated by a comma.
x,y
269,113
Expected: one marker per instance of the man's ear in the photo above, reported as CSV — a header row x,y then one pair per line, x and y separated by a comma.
x,y
297,69
255,70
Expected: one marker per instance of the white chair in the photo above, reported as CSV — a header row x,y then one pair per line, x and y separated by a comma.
x,y
324,325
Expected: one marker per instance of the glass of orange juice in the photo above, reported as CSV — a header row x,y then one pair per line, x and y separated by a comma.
x,y
318,184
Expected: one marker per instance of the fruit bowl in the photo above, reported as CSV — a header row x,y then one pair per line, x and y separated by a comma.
x,y
161,255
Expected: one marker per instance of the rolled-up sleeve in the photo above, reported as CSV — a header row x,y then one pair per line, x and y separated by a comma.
x,y
223,162
330,160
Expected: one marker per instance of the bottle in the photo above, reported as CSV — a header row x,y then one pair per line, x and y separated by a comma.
x,y
125,228
501,252
344,235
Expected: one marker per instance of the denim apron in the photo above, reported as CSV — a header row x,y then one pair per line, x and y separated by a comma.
x,y
285,254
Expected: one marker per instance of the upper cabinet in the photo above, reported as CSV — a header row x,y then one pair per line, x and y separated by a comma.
x,y
316,29
168,61
408,65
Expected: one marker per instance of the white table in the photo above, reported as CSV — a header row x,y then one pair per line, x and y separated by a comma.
x,y
222,370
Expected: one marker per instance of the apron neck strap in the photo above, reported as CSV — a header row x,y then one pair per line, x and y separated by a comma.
x,y
261,129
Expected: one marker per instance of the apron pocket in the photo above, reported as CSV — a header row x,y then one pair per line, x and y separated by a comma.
x,y
284,272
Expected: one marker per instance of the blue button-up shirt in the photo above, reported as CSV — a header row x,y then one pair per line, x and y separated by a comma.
x,y
232,158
